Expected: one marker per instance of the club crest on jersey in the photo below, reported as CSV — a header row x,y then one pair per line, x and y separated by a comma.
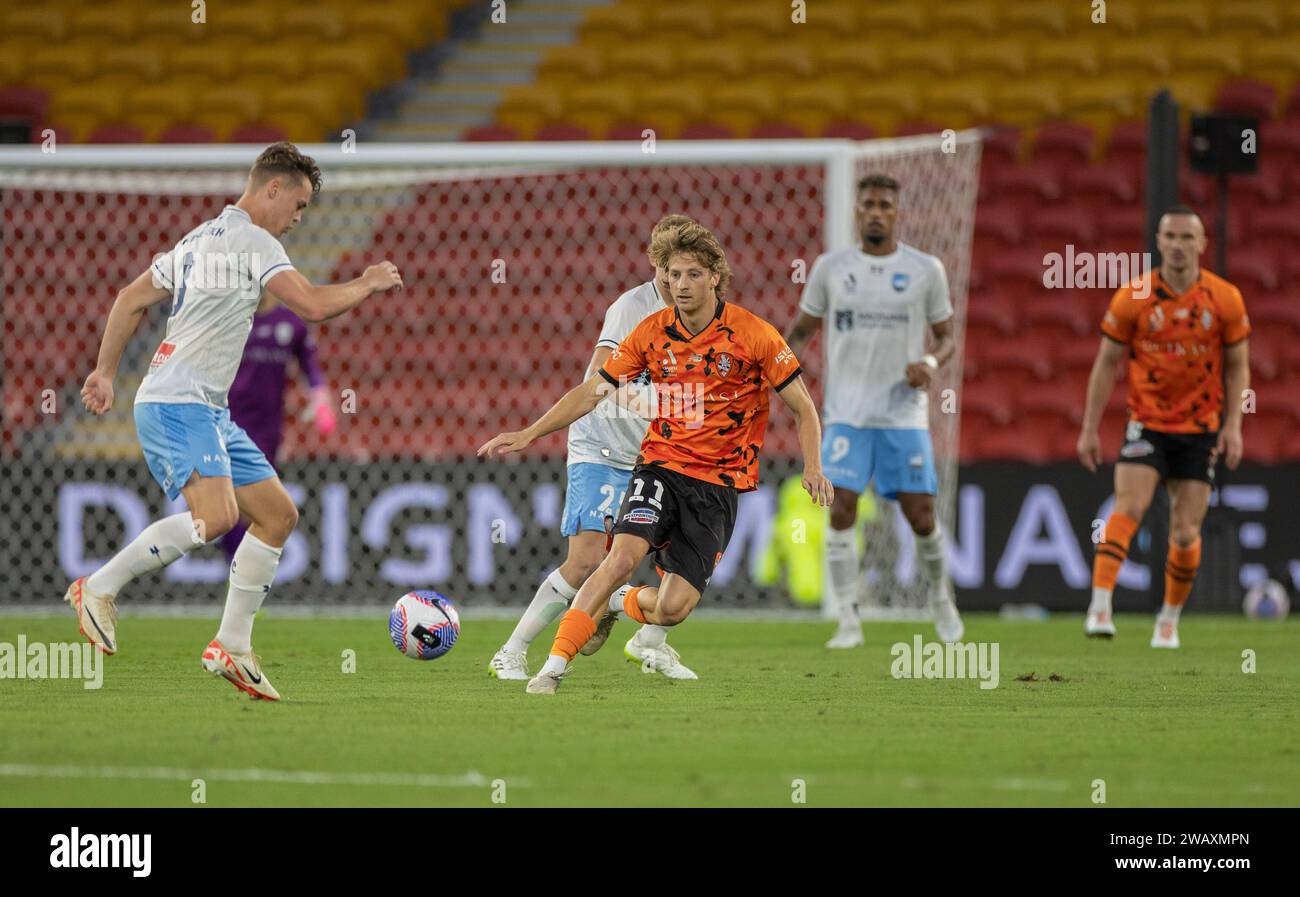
x,y
900,282
1207,319
1156,320
844,320
725,364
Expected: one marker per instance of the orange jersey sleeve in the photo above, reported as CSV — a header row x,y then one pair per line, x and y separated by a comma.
x,y
1232,312
779,365
627,360
1120,320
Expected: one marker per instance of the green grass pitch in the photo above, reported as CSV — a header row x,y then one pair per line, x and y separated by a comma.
x,y
1162,728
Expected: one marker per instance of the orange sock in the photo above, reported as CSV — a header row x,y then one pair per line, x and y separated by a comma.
x,y
1112,550
1180,572
630,607
576,627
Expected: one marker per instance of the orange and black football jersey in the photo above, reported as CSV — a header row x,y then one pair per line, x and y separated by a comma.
x,y
712,399
1176,350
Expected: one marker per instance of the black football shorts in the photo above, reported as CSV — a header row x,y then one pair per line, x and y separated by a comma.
x,y
1177,456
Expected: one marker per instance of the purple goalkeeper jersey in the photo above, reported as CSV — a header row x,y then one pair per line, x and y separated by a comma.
x,y
257,395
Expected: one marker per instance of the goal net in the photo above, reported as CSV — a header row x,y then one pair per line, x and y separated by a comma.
x,y
510,254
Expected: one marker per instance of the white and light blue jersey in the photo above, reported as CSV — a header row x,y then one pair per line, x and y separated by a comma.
x,y
612,435
878,309
216,275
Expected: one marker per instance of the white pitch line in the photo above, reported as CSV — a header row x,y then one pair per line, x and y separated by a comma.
x,y
471,779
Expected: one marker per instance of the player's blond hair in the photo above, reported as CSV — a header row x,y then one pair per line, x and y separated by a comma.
x,y
696,240
662,226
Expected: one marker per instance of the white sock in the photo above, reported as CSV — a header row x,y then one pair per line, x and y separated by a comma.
x,y
1171,611
652,636
554,664
1100,601
251,573
842,567
932,555
616,598
553,596
157,546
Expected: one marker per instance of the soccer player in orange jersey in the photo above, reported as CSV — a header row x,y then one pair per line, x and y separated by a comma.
x,y
1180,332
712,363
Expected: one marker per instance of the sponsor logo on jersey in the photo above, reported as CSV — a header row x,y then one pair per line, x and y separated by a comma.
x,y
900,282
784,356
165,350
641,515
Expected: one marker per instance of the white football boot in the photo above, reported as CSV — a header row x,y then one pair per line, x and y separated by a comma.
x,y
1099,624
96,616
1166,633
507,664
947,622
663,659
847,637
244,671
545,683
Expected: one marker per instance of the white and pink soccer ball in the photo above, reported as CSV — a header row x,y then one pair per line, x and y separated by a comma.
x,y
423,625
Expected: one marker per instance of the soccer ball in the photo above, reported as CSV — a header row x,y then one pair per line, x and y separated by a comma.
x,y
423,625
1267,600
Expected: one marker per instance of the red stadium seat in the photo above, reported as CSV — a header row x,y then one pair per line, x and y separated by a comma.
x,y
1035,181
1274,311
1279,141
24,102
989,400
1020,270
1123,228
492,133
562,131
851,130
1253,271
1015,443
707,131
914,128
1061,313
1107,183
119,133
1265,438
1002,147
1052,225
1015,356
1064,143
1127,144
1001,223
257,132
993,310
1276,399
186,134
1246,97
1266,359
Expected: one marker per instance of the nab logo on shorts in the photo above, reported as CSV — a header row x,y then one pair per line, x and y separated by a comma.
x,y
641,515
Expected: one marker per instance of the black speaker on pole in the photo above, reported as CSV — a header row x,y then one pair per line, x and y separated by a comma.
x,y
1225,144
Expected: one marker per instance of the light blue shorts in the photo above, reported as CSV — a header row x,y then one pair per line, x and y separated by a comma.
x,y
898,460
181,439
594,490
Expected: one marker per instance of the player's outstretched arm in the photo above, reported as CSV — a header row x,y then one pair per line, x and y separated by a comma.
x,y
809,427
1236,360
802,330
320,303
1100,382
576,402
128,308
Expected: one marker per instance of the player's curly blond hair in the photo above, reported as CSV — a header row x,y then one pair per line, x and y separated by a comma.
x,y
694,239
662,226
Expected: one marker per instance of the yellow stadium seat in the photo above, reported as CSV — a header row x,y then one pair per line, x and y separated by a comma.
x,y
372,62
851,58
576,64
1175,18
598,106
697,20
1194,93
614,25
1137,58
884,104
13,62
155,107
141,62
85,101
1109,98
1026,102
244,23
668,108
320,23
741,106
1247,18
59,64
1213,56
115,22
905,17
780,61
277,63
764,20
643,60
1005,57
36,23
924,58
412,25
964,18
831,19
223,108
957,104
527,107
211,62
1290,14
172,22
1273,59
812,105
1053,58
1043,19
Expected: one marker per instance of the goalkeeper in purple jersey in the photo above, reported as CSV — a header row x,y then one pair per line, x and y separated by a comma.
x,y
257,396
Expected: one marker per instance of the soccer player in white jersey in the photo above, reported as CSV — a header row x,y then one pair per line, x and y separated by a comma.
x,y
880,297
214,278
602,450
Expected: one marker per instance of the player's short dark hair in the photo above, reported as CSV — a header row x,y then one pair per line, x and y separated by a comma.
x,y
284,158
1180,209
878,182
